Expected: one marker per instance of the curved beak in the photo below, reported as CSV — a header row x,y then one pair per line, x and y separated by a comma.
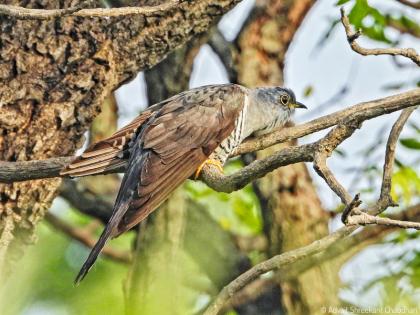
x,y
299,105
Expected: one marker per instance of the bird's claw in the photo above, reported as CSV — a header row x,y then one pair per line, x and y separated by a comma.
x,y
216,163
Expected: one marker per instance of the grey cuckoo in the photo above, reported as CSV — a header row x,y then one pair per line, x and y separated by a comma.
x,y
172,141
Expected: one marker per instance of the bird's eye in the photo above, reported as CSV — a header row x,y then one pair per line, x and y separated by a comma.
x,y
284,99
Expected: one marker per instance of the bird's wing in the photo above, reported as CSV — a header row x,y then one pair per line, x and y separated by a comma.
x,y
113,152
170,145
174,144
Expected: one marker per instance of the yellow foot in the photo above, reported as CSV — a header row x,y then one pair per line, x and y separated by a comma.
x,y
208,161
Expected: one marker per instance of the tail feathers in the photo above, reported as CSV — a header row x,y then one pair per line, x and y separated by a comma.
x,y
106,234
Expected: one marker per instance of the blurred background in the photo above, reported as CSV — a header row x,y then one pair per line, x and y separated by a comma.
x,y
200,240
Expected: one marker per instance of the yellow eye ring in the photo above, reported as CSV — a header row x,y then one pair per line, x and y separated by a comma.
x,y
284,99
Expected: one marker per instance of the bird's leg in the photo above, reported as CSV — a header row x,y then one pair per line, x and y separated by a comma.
x,y
216,163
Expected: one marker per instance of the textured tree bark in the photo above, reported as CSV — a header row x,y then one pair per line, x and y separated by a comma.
x,y
54,77
292,212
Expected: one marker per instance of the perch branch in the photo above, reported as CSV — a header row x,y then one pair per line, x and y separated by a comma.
x,y
83,236
352,36
41,14
359,112
20,171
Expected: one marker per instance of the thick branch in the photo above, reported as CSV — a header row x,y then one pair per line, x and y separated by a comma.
x,y
352,36
21,171
256,169
41,14
360,112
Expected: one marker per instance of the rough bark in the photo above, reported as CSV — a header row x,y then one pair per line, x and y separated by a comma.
x,y
292,212
54,76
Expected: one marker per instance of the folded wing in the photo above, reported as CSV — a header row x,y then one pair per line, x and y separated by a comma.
x,y
168,146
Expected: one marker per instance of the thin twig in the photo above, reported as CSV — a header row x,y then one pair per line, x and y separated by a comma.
x,y
86,238
410,53
42,14
412,4
324,150
365,219
390,153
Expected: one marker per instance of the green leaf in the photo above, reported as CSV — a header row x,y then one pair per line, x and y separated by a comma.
x,y
359,11
340,2
405,184
410,143
308,91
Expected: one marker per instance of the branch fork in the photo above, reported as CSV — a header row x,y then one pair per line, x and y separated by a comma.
x,y
410,53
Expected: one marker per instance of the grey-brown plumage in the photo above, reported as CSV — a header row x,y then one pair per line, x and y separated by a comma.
x,y
169,141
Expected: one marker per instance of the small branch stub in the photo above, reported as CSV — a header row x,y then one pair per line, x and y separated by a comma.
x,y
348,210
352,36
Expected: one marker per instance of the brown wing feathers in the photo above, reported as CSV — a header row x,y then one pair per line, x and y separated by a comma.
x,y
109,153
169,145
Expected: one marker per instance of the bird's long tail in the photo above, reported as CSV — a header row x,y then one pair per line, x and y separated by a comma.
x,y
106,234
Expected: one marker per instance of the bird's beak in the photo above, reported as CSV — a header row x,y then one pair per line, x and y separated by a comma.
x,y
299,105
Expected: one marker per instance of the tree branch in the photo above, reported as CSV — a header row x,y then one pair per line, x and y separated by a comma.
x,y
325,148
360,112
84,236
353,220
28,170
353,243
352,36
275,263
390,153
41,14
226,51
365,219
84,201
412,4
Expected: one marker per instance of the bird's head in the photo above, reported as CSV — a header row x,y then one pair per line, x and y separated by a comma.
x,y
280,97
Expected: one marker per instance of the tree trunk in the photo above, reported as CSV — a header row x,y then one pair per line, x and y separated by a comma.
x,y
55,75
293,215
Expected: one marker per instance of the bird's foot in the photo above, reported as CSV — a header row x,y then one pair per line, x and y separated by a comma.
x,y
216,163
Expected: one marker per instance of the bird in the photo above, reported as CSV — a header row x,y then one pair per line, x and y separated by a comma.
x,y
172,141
